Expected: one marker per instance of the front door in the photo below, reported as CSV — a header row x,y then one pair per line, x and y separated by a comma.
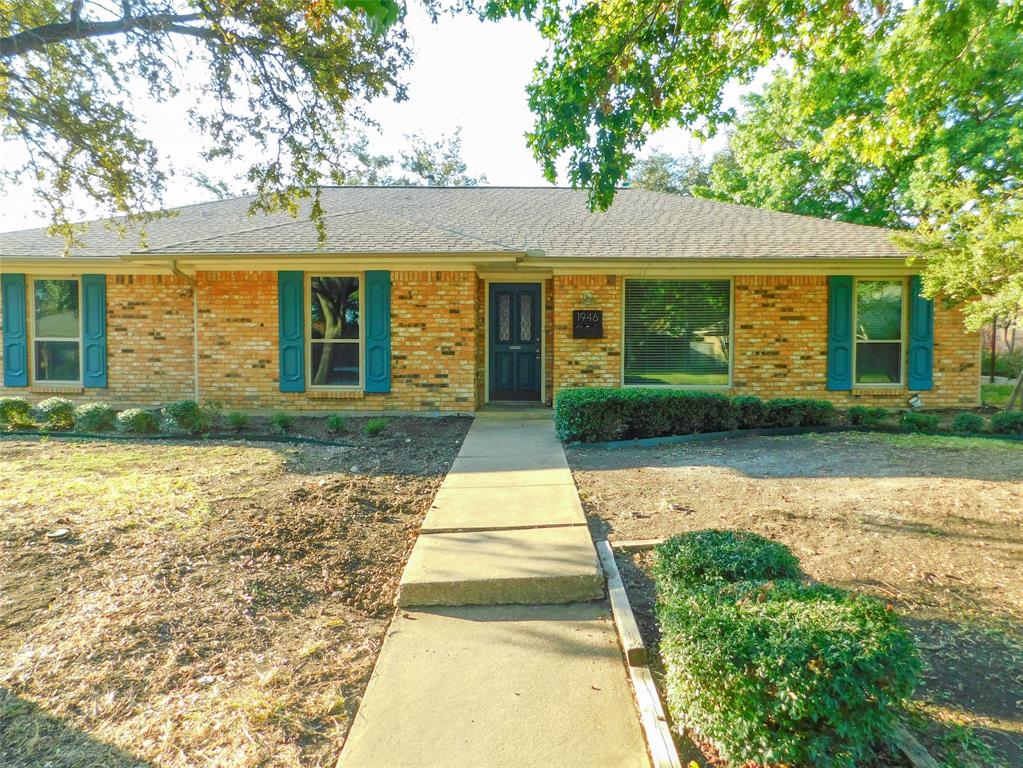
x,y
515,335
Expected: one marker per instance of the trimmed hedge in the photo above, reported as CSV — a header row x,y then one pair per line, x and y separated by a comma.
x,y
786,673
1007,423
772,670
58,413
596,414
15,413
138,421
709,557
920,422
95,417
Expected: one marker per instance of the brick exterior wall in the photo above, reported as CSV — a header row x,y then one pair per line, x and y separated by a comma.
x,y
438,343
433,345
149,345
587,362
781,343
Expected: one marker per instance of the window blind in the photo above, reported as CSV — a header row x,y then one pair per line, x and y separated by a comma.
x,y
677,332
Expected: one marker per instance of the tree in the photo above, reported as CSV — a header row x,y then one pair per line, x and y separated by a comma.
x,y
662,172
868,135
286,76
425,163
620,69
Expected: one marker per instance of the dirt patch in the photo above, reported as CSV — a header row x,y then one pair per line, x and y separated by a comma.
x,y
213,603
932,525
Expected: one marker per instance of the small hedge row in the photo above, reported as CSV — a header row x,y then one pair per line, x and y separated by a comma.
x,y
596,414
58,414
771,669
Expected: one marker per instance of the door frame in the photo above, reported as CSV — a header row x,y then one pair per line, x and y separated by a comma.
x,y
486,331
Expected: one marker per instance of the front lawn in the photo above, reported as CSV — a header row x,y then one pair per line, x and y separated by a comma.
x,y
207,603
931,525
996,394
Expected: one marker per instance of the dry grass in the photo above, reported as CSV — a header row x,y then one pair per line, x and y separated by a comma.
x,y
215,604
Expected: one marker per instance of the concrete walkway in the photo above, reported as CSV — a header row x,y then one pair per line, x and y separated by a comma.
x,y
502,652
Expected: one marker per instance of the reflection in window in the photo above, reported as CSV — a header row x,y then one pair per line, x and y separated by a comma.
x,y
504,317
677,332
879,331
525,317
57,331
334,331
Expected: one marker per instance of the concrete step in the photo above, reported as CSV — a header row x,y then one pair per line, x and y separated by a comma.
x,y
500,472
498,687
536,565
517,506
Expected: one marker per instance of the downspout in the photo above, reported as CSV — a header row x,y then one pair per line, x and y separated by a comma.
x,y
190,279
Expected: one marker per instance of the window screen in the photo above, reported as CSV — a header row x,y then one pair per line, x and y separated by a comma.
x,y
677,332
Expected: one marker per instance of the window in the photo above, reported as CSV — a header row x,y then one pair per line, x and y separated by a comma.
x,y
879,331
677,332
335,332
57,331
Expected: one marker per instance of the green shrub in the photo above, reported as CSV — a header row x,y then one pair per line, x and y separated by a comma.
x,y
706,557
138,421
374,427
786,673
15,413
58,413
867,417
968,422
793,412
1007,423
590,414
281,422
191,417
95,417
920,422
238,420
336,423
749,411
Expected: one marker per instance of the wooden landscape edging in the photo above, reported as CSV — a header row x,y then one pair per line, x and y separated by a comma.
x,y
733,434
663,752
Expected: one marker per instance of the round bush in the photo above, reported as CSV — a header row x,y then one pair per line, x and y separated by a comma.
x,y
136,421
968,422
15,413
706,557
58,413
920,422
867,416
1007,423
189,416
94,417
786,673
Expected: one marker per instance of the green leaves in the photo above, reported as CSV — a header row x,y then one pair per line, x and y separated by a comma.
x,y
381,15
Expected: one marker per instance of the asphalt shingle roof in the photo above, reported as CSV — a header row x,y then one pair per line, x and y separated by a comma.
x,y
641,224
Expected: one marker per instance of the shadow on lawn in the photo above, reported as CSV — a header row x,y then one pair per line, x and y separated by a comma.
x,y
32,738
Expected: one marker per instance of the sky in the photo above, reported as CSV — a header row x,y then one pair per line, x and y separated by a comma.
x,y
466,73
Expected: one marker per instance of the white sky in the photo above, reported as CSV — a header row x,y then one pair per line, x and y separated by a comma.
x,y
466,73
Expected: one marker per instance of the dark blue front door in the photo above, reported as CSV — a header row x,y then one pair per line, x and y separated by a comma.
x,y
515,335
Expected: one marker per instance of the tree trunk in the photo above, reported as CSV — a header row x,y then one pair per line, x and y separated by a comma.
x,y
1016,398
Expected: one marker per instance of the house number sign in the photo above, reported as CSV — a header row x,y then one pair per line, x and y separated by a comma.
x,y
587,324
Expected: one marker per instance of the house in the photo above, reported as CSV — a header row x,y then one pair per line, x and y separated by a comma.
x,y
443,299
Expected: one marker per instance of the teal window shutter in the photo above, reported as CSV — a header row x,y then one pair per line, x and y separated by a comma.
x,y
840,332
377,311
921,338
94,330
12,288
290,330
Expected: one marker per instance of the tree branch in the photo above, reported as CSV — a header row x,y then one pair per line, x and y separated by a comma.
x,y
40,37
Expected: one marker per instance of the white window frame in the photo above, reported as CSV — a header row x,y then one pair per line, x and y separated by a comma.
x,y
903,330
731,334
307,297
33,338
